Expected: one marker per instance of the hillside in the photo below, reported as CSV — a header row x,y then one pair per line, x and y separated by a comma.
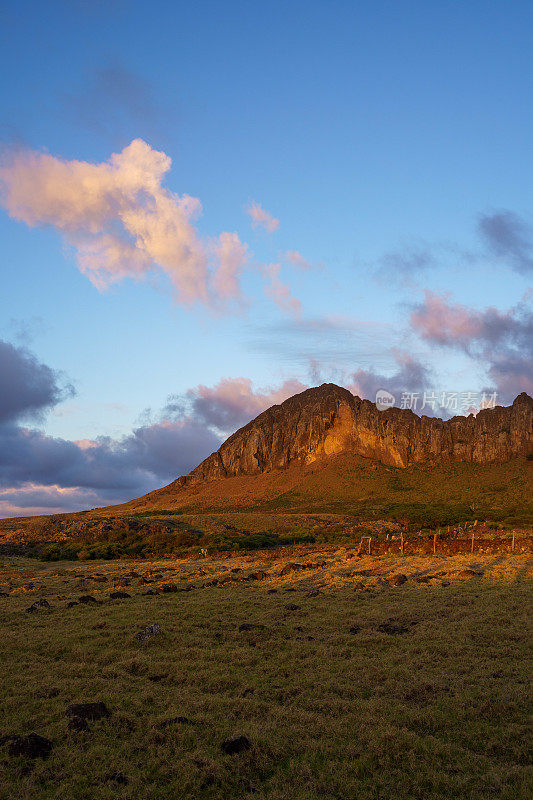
x,y
295,472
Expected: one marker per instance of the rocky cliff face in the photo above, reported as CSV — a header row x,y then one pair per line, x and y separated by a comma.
x,y
329,419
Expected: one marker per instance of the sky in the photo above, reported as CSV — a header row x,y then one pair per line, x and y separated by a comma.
x,y
208,207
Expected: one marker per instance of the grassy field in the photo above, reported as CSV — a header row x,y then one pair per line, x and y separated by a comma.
x,y
334,706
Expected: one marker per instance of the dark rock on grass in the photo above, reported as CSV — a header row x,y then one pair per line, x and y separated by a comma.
x,y
4,594
313,593
355,629
148,633
31,746
236,569
393,629
72,603
251,626
119,595
169,587
398,580
290,589
292,607
118,777
469,573
37,605
272,591
157,678
78,724
88,710
235,744
166,723
288,568
149,593
258,576
88,598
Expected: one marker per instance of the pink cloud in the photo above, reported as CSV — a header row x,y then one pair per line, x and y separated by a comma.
x,y
123,222
280,292
233,402
261,218
442,322
500,341
231,255
296,259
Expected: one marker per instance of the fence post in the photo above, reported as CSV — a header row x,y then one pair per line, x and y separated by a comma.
x,y
472,550
435,543
512,546
401,542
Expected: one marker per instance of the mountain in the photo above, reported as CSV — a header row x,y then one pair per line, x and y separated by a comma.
x,y
328,419
324,425
323,463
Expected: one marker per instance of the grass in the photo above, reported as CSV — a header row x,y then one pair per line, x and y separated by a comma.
x,y
439,712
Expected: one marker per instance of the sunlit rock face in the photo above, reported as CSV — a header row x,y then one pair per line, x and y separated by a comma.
x,y
327,420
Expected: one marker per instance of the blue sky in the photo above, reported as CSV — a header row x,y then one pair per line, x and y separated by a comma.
x,y
390,140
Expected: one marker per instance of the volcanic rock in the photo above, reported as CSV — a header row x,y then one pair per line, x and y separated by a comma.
x,y
88,710
235,744
328,419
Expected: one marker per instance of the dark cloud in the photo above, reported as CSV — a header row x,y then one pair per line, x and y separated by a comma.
x,y
27,387
405,262
510,237
410,376
139,462
500,341
118,104
105,470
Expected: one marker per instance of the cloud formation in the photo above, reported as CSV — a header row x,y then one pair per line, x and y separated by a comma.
x,y
27,387
42,474
296,259
233,402
261,218
411,375
123,222
112,101
508,236
280,292
502,341
401,264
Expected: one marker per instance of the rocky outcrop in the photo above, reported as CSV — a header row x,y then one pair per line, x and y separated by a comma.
x,y
328,419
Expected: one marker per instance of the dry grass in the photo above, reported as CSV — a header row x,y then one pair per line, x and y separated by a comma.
x,y
440,711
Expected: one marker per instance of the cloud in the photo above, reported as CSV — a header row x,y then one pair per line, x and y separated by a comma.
x,y
508,236
113,100
338,341
296,259
233,402
41,473
411,375
27,387
501,341
261,218
280,292
401,264
122,222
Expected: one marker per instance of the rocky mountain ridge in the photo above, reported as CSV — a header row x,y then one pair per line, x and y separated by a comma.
x,y
328,419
